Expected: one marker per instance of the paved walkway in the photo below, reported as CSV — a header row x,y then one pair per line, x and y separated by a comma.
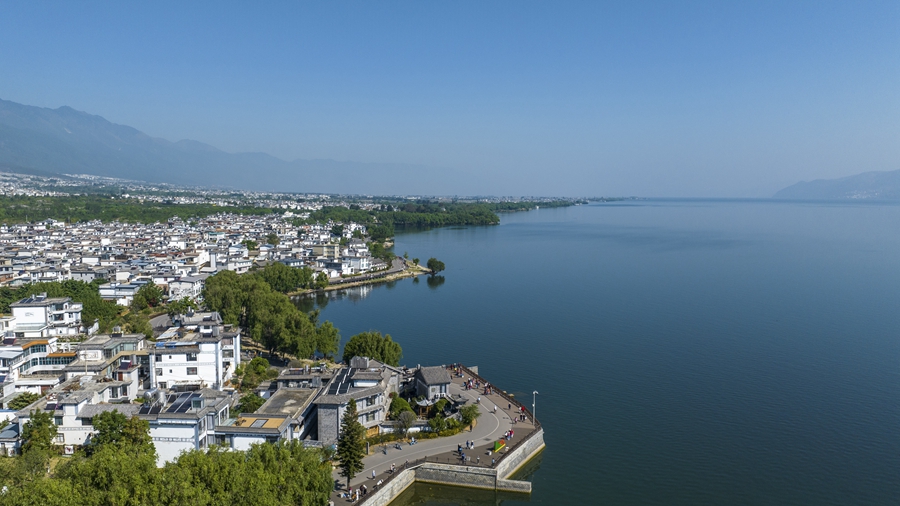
x,y
489,428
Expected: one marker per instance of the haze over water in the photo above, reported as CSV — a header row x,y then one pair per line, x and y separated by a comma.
x,y
686,352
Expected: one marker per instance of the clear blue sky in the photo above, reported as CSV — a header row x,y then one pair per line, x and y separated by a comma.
x,y
552,98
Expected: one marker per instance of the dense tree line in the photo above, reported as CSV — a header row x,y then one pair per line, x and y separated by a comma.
x,y
382,220
373,345
71,209
269,316
286,279
119,467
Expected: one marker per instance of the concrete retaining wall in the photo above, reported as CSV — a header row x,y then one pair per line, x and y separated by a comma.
x,y
391,490
448,474
521,454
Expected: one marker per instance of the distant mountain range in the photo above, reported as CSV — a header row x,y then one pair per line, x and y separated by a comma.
x,y
46,141
868,185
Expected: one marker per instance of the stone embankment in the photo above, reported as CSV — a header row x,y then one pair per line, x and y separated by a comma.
x,y
487,476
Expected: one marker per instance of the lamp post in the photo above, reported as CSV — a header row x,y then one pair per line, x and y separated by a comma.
x,y
533,402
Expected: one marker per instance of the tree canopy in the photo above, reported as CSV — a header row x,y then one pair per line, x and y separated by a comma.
x,y
350,445
16,209
250,403
23,400
269,316
266,474
115,429
148,295
373,345
435,265
38,432
398,406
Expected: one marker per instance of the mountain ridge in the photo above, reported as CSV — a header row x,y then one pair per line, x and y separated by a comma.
x,y
65,140
872,185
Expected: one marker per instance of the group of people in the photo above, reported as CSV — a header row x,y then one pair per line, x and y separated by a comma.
x,y
356,494
508,435
470,445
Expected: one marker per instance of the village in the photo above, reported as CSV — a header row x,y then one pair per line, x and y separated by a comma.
x,y
180,383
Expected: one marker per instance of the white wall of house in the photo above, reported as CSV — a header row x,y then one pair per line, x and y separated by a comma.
x,y
173,436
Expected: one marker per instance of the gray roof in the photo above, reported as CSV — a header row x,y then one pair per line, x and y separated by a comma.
x,y
92,410
288,401
436,375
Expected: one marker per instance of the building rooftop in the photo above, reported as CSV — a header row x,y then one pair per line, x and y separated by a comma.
x,y
288,401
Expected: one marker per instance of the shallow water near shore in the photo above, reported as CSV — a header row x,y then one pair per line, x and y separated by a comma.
x,y
686,352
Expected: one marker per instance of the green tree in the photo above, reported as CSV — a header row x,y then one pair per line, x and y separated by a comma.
x,y
180,307
23,400
114,428
380,233
254,372
250,403
38,432
468,414
337,230
328,339
136,323
113,475
437,424
437,409
398,406
148,295
373,345
250,244
435,265
321,280
405,421
273,239
416,261
350,445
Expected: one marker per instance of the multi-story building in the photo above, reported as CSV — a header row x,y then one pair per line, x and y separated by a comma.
x,y
369,383
202,353
42,316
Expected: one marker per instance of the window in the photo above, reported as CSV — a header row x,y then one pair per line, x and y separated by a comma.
x,y
57,420
228,353
159,371
191,357
192,371
60,438
162,384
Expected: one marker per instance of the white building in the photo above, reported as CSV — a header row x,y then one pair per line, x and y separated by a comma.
x,y
201,354
186,421
75,402
186,286
42,316
120,293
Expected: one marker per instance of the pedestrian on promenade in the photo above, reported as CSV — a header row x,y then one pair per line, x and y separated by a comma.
x,y
509,406
392,468
373,474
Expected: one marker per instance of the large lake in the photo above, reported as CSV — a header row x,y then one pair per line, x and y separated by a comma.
x,y
686,352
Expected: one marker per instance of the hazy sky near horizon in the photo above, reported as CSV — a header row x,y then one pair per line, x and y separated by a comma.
x,y
728,99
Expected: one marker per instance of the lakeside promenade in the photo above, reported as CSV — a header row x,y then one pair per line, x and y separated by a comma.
x,y
491,426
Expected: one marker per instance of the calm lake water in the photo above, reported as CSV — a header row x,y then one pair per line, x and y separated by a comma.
x,y
686,352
